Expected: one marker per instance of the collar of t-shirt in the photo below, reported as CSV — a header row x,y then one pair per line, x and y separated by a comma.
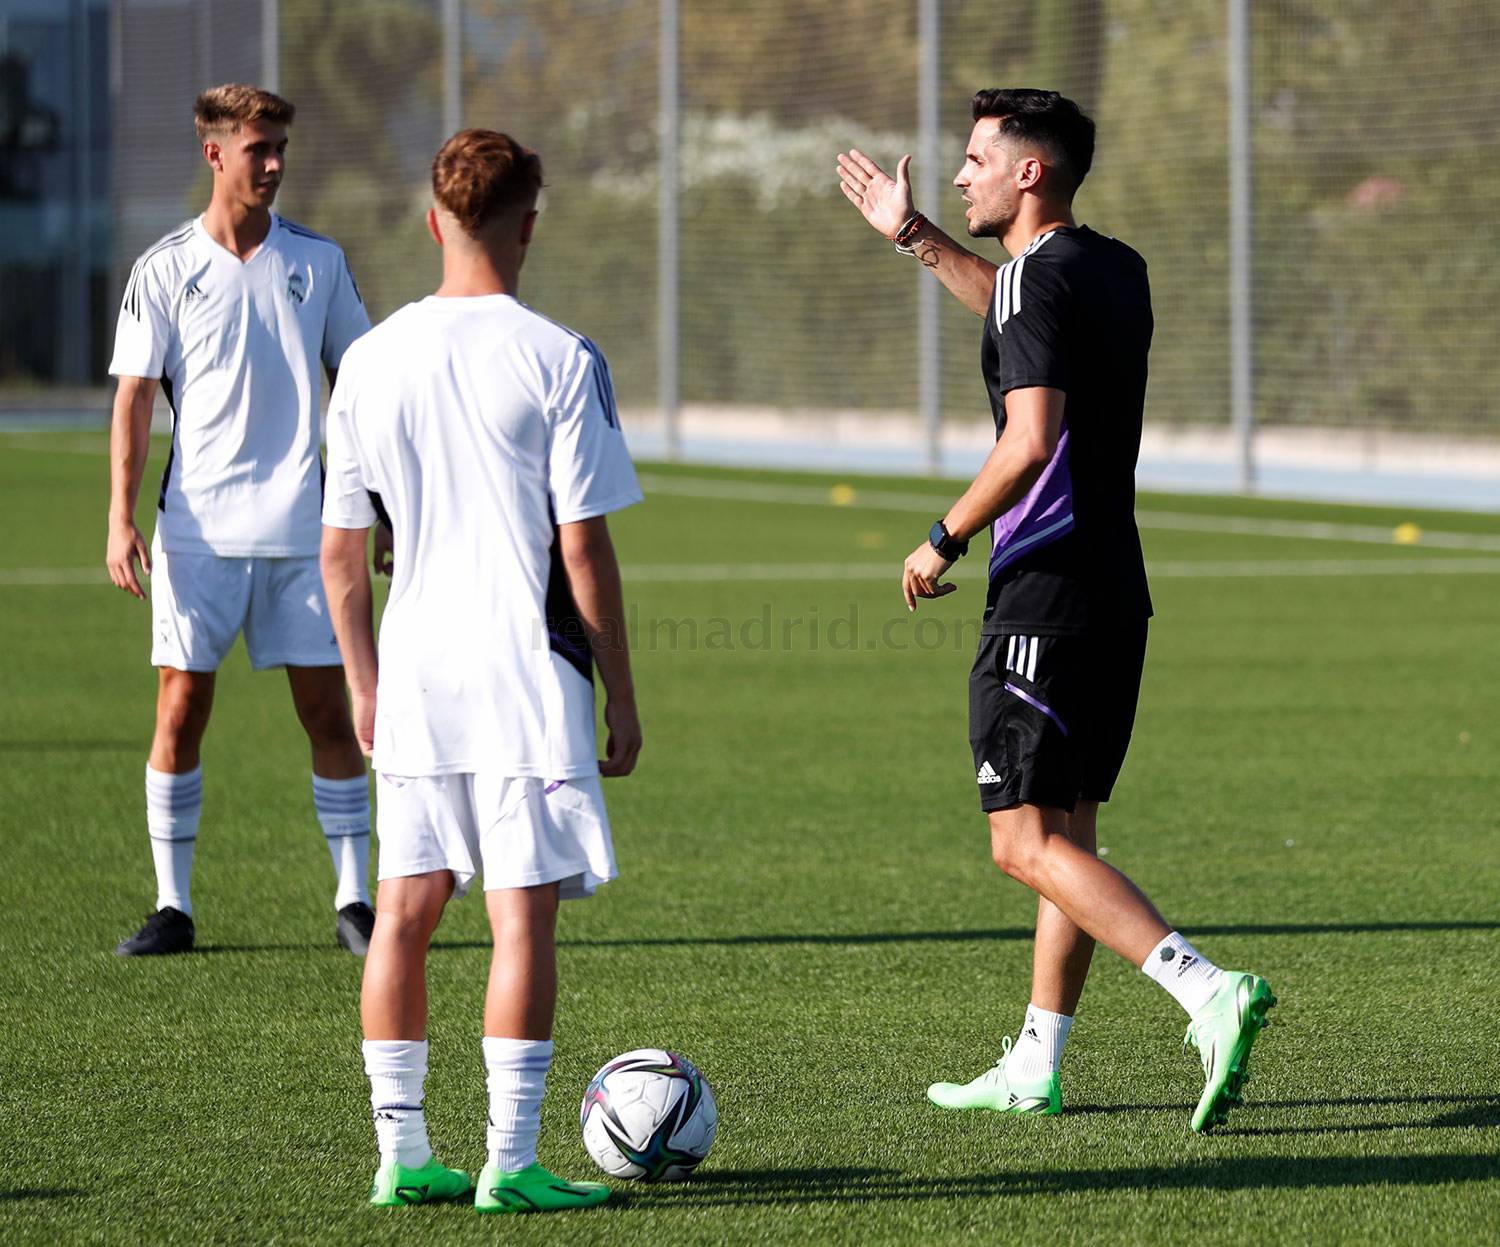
x,y
223,252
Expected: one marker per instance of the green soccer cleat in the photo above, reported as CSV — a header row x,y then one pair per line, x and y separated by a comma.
x,y
533,1189
1224,1031
397,1185
998,1092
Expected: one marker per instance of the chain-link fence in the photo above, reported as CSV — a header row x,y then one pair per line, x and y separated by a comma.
x,y
698,233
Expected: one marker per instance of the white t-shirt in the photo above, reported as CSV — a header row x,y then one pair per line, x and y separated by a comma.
x,y
237,346
480,426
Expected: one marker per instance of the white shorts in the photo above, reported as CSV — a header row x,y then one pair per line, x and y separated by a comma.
x,y
201,602
522,831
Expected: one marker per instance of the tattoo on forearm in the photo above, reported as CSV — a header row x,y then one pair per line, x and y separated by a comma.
x,y
927,253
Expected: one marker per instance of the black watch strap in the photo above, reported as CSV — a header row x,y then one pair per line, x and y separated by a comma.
x,y
949,546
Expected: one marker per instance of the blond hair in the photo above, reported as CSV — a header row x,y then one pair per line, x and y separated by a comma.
x,y
222,110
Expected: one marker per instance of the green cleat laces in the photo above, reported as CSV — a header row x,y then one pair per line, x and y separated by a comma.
x,y
396,1185
999,1092
534,1189
1224,1031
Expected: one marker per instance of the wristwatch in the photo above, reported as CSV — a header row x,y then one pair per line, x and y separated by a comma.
x,y
947,545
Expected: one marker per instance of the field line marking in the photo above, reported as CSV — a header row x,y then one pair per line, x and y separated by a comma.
x,y
1264,568
1179,521
41,577
1272,568
78,446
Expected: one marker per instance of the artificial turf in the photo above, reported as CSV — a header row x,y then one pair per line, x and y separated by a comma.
x,y
806,907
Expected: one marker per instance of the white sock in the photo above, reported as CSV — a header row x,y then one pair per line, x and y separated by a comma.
x,y
1037,1052
1186,973
517,1076
397,1070
343,807
174,804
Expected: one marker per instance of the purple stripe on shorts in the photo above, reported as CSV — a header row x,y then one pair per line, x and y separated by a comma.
x,y
553,787
1032,701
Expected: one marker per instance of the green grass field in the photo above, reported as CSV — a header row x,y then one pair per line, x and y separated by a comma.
x,y
806,905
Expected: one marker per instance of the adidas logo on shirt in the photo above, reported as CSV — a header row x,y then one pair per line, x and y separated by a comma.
x,y
987,774
194,294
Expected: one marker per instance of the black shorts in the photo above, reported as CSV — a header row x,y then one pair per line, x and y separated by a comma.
x,y
1050,716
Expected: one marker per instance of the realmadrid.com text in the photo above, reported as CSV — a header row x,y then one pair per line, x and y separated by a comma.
x,y
776,629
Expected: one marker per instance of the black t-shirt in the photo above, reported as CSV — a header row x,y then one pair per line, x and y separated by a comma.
x,y
1073,313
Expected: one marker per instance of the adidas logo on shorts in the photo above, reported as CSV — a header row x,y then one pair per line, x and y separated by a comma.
x,y
987,774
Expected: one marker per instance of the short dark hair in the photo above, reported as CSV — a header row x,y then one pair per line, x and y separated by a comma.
x,y
479,174
1045,118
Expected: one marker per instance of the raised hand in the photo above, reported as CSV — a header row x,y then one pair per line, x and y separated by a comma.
x,y
885,203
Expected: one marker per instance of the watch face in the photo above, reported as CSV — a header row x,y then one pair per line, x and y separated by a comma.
x,y
945,544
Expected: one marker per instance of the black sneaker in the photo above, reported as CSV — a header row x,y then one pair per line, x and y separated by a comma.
x,y
356,922
166,931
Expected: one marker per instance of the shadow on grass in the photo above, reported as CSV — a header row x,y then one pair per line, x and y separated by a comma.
x,y
1467,1112
28,1194
1462,1112
985,934
975,936
748,1187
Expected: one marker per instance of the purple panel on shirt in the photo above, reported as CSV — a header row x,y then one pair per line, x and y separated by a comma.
x,y
1040,518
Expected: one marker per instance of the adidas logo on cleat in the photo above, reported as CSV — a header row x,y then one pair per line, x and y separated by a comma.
x,y
987,774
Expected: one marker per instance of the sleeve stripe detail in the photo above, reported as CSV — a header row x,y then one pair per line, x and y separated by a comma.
x,y
349,272
603,383
1008,284
131,302
602,378
293,228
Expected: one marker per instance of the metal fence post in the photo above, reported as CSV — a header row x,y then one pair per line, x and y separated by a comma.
x,y
74,324
1241,246
270,44
453,84
669,125
929,310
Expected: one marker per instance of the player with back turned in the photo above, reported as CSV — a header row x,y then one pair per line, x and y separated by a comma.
x,y
1052,694
489,436
234,314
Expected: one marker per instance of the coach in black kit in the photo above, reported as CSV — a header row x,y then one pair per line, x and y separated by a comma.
x,y
1052,696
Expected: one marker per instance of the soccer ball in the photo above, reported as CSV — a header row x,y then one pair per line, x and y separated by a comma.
x,y
649,1114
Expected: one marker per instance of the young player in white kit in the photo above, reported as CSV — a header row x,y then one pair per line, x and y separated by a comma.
x,y
233,313
488,437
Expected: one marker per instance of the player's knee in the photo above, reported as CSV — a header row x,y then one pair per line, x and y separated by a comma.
x,y
327,722
1018,852
407,920
1015,863
182,712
